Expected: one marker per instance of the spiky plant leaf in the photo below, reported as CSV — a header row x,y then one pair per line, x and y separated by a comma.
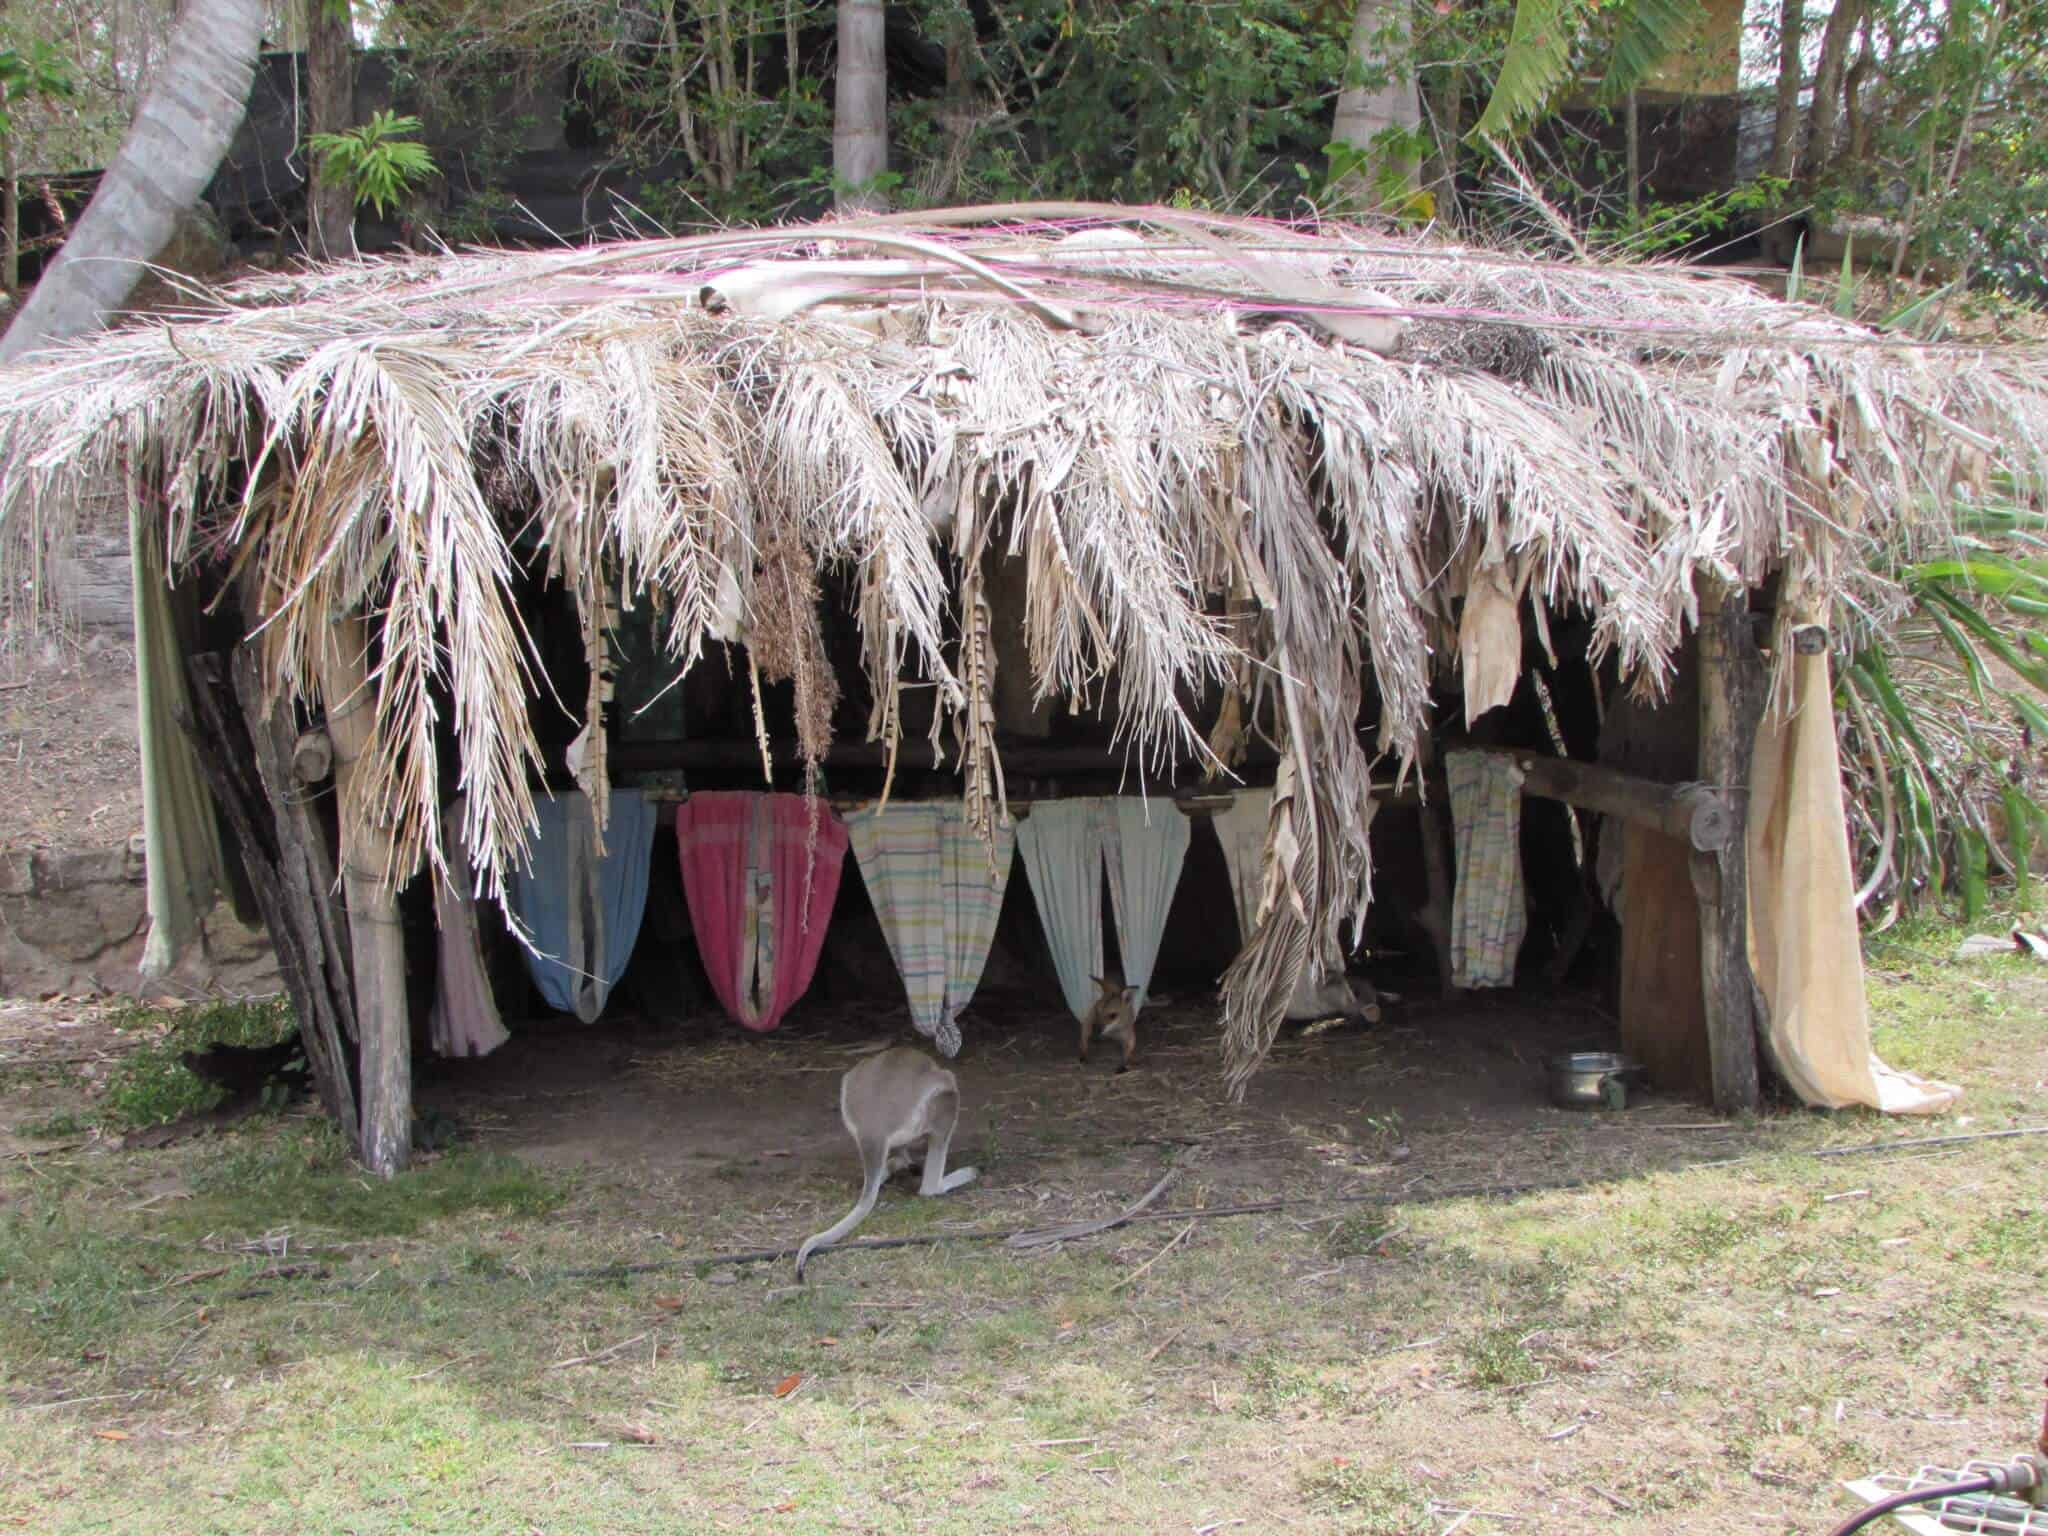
x,y
2032,716
1795,279
1920,317
1548,33
2019,833
1536,66
1973,867
2033,668
1646,33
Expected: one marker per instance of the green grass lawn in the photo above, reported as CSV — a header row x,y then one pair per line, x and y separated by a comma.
x,y
245,1334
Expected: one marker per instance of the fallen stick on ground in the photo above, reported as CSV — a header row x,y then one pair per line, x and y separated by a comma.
x,y
602,1354
1172,1243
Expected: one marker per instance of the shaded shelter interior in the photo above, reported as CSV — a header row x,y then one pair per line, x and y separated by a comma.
x,y
676,731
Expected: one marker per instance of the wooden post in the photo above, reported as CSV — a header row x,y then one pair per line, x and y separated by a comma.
x,y
1730,703
1663,1011
369,881
231,746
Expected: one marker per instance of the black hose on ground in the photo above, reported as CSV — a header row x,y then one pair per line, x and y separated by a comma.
x,y
2020,1476
1884,1507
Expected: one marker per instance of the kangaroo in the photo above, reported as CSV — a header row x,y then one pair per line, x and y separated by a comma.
x,y
890,1102
1114,1016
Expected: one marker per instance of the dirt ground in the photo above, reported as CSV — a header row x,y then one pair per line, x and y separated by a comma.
x,y
1394,1106
239,1334
70,774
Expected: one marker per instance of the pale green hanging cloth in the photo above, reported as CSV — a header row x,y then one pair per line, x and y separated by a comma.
x,y
179,828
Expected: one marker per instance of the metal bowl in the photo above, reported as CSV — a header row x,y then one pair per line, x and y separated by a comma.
x,y
1591,1079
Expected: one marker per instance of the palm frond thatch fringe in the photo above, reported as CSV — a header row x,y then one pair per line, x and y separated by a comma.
x,y
1217,475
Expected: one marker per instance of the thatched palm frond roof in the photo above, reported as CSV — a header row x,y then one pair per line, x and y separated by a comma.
x,y
1231,453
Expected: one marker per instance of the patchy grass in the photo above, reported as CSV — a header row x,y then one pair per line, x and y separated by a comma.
x,y
57,1127
1499,1357
246,1336
1381,1502
151,1085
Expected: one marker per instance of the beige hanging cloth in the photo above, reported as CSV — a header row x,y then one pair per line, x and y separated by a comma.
x,y
1803,942
186,871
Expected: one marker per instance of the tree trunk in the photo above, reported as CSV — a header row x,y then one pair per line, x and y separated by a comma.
x,y
330,108
1379,52
1825,113
943,184
181,130
860,108
10,217
1791,75
1448,127
1858,126
1634,127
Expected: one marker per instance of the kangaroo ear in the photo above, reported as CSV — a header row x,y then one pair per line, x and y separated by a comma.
x,y
1131,995
1106,988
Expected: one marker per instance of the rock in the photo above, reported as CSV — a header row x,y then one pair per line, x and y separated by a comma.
x,y
74,922
1977,945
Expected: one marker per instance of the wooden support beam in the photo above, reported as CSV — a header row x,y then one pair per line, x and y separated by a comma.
x,y
1731,699
234,741
915,753
369,880
1698,815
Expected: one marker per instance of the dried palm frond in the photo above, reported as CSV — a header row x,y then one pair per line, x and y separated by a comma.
x,y
1235,456
787,641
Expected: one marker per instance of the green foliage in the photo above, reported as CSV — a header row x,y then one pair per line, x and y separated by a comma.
x,y
379,161
54,1127
1927,777
37,70
1370,1502
1499,1358
1657,227
1144,102
151,1085
1554,42
1951,149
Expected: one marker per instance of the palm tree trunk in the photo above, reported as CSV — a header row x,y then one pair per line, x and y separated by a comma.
x,y
1365,109
330,108
860,108
1791,74
181,130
